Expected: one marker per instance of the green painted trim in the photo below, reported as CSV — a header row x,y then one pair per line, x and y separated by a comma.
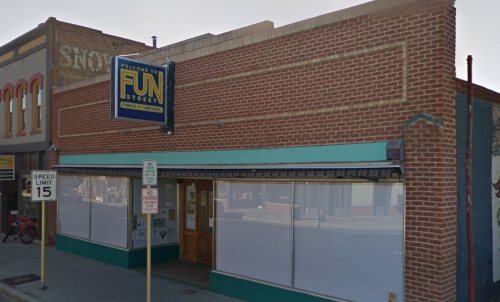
x,y
121,258
364,152
426,117
256,292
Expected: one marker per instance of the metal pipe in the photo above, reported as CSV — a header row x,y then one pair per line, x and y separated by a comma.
x,y
470,234
148,257
292,212
42,275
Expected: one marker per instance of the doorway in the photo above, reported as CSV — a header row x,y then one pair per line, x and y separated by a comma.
x,y
197,215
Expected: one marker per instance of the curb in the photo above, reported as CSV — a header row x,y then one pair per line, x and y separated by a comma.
x,y
14,294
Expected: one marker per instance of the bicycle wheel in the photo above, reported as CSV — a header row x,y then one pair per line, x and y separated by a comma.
x,y
28,234
8,233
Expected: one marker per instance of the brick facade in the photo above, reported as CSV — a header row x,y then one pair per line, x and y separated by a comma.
x,y
358,79
78,53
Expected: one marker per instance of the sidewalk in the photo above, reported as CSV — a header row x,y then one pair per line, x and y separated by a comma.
x,y
73,278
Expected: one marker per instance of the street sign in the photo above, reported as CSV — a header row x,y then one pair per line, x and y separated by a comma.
x,y
149,172
7,167
142,92
43,185
149,204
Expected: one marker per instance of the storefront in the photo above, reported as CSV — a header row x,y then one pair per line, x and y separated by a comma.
x,y
16,194
286,225
274,166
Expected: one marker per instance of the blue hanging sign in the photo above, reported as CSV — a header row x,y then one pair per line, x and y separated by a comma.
x,y
141,92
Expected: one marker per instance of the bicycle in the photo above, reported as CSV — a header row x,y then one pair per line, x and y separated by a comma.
x,y
24,231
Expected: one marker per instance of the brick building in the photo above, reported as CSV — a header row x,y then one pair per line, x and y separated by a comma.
x,y
277,171
53,54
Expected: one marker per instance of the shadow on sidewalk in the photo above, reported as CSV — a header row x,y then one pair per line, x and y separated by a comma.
x,y
191,273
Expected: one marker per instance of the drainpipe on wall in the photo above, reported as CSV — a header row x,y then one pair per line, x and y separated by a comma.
x,y
470,234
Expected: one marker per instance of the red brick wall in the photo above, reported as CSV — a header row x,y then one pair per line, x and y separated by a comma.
x,y
406,67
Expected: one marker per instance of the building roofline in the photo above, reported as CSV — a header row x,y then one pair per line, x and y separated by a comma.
x,y
96,30
42,29
203,46
478,91
24,38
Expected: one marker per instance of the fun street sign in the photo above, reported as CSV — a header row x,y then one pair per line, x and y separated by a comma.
x,y
141,92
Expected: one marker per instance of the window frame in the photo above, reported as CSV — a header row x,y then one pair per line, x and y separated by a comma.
x,y
295,213
37,95
21,112
8,112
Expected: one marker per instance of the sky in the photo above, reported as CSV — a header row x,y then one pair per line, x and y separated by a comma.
x,y
478,22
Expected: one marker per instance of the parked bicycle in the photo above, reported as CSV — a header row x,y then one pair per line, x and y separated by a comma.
x,y
21,229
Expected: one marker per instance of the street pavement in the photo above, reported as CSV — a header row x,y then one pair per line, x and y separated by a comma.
x,y
72,278
2,299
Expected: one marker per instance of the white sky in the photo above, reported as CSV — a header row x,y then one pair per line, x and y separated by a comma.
x,y
478,22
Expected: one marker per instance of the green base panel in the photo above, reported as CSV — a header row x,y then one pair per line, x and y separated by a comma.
x,y
256,292
121,258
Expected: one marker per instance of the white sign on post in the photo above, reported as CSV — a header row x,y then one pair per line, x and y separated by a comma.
x,y
43,185
149,172
149,204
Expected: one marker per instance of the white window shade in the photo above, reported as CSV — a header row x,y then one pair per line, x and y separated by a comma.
x,y
74,206
254,230
347,237
349,240
109,210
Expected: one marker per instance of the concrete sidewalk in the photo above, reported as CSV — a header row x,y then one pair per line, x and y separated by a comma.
x,y
73,278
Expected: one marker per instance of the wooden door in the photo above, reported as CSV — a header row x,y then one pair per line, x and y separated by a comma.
x,y
189,241
197,220
205,221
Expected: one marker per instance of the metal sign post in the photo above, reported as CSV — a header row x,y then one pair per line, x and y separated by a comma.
x,y
43,188
149,205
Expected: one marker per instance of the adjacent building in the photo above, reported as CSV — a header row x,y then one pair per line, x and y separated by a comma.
x,y
53,54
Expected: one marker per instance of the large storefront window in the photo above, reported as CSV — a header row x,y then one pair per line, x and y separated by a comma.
x,y
347,237
95,208
28,208
254,231
109,210
29,162
74,206
164,224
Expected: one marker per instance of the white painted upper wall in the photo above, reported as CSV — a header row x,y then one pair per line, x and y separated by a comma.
x,y
24,69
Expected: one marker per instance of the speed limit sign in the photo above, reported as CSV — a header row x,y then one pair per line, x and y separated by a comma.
x,y
43,185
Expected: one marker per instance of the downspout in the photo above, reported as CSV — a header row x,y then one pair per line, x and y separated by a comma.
x,y
470,233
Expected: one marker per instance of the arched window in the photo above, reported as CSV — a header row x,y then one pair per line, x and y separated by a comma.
x,y
36,86
21,110
37,105
8,112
